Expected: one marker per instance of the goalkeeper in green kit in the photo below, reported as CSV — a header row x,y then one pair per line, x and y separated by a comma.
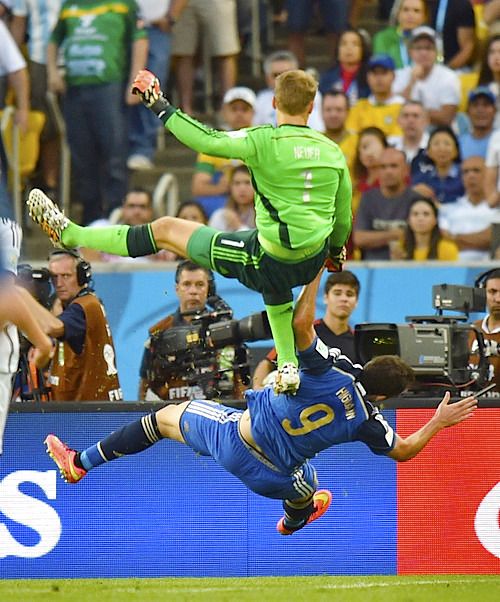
x,y
302,203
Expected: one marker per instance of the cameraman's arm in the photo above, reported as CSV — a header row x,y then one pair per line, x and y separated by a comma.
x,y
143,387
143,371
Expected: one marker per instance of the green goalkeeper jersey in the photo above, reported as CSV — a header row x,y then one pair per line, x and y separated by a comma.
x,y
301,180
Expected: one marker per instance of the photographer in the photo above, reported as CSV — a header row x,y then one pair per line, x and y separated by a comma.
x,y
201,371
83,367
490,324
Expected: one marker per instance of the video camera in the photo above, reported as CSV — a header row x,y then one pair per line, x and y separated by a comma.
x,y
37,282
31,383
437,347
191,351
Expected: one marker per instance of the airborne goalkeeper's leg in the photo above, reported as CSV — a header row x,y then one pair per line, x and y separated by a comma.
x,y
168,233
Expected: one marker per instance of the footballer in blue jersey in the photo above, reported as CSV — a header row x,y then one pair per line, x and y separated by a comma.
x,y
268,445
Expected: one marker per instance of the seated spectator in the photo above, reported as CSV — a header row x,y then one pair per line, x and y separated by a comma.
x,y
239,210
440,168
491,16
275,64
393,40
341,294
335,109
382,107
422,238
455,25
382,213
489,73
371,143
481,110
349,74
437,87
468,220
191,211
136,210
413,120
210,182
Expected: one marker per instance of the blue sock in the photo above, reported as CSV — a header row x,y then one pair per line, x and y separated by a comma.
x,y
130,439
296,517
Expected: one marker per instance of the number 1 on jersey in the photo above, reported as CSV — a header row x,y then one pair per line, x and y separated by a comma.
x,y
308,176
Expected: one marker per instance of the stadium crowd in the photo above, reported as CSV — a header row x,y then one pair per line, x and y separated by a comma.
x,y
413,106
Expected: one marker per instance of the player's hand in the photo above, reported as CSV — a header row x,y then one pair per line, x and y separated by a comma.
x,y
42,354
449,414
335,262
147,86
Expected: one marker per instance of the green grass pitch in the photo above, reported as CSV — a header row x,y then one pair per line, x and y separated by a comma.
x,y
422,588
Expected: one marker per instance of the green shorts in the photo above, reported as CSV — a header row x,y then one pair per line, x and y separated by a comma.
x,y
240,255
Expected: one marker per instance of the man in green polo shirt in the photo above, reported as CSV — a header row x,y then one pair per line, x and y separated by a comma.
x,y
302,201
104,45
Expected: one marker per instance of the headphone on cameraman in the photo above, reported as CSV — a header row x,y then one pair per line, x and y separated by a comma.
x,y
480,281
83,267
191,266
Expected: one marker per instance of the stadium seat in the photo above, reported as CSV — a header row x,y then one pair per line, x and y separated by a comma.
x,y
468,81
22,151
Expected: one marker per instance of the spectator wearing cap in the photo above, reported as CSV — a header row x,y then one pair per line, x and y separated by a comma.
x,y
437,87
454,23
382,107
210,183
481,110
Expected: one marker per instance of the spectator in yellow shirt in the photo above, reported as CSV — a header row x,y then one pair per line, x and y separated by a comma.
x,y
422,238
381,108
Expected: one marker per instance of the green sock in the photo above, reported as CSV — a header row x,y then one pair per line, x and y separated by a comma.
x,y
280,320
110,239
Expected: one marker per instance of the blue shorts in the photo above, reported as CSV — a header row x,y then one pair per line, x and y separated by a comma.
x,y
334,14
211,429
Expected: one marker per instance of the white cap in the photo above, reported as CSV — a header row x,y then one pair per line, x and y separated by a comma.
x,y
423,32
240,93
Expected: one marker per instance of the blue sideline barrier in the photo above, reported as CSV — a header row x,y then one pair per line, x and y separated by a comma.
x,y
136,300
168,512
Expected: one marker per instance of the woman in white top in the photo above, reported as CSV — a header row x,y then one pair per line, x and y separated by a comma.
x,y
239,211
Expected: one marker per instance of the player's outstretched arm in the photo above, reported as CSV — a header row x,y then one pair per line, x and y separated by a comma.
x,y
14,309
189,131
446,415
304,314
